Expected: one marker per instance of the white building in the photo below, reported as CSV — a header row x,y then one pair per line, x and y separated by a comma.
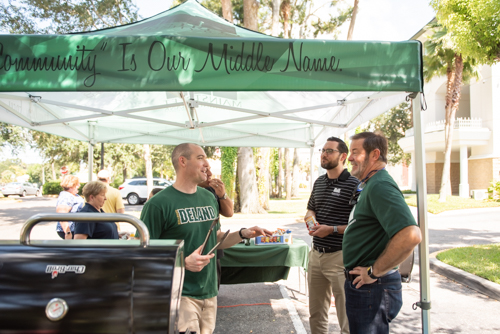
x,y
475,157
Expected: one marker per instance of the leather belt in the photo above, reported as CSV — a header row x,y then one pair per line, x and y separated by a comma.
x,y
351,277
327,249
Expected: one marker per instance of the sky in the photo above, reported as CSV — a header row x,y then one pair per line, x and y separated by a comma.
x,y
382,20
389,20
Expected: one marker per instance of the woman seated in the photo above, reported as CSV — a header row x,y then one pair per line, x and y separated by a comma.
x,y
95,195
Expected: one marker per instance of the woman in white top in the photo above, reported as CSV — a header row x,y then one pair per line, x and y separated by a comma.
x,y
68,201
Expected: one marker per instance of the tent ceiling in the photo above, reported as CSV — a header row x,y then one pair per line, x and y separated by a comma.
x,y
278,119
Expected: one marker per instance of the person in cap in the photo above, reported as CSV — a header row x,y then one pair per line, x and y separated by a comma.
x,y
114,202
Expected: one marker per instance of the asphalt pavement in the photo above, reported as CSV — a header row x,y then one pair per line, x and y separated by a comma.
x,y
281,307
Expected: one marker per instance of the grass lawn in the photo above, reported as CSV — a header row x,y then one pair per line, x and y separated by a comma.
x,y
452,203
482,260
281,208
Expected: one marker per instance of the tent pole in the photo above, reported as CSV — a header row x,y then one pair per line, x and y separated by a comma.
x,y
102,156
423,248
90,161
91,149
311,154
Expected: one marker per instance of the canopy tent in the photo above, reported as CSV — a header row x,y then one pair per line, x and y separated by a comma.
x,y
186,75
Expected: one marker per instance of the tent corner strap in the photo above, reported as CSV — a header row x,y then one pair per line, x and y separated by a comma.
x,y
412,95
422,305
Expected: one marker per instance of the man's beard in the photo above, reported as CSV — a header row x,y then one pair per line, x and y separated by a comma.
x,y
361,169
330,164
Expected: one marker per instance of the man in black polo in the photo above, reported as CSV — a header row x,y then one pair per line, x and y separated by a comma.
x,y
329,204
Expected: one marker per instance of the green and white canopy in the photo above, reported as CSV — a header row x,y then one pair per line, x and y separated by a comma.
x,y
188,75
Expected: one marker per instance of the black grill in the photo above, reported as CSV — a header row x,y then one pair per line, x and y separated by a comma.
x,y
125,286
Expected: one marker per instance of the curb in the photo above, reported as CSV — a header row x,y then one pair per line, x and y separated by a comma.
x,y
474,282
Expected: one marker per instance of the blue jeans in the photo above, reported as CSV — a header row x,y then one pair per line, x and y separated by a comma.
x,y
372,307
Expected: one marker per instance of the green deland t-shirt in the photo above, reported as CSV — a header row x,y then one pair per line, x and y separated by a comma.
x,y
380,213
172,214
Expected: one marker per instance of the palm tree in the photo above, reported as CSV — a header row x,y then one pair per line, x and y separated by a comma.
x,y
441,59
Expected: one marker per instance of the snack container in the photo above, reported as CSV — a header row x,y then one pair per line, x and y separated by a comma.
x,y
310,222
275,240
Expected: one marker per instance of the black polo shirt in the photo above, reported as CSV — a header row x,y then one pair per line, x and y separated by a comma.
x,y
330,201
100,230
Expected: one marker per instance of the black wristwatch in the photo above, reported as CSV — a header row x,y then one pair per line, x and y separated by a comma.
x,y
241,235
370,273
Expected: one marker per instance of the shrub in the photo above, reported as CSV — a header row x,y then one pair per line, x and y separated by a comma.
x,y
494,189
54,188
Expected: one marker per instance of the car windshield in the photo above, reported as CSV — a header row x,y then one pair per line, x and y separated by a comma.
x,y
14,184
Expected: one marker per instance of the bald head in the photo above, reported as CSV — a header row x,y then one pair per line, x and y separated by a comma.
x,y
182,150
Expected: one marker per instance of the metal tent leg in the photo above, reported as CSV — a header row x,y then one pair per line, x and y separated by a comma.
x,y
423,248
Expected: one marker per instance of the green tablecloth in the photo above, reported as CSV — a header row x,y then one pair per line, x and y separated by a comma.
x,y
255,264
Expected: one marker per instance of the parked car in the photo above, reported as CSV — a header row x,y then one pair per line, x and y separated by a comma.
x,y
19,188
136,190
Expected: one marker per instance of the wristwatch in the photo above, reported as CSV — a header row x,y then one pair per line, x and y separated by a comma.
x,y
335,230
370,273
241,235
225,196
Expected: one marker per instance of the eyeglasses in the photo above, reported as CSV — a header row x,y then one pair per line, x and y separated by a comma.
x,y
328,151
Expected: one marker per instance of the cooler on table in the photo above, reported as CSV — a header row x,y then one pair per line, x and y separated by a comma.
x,y
90,286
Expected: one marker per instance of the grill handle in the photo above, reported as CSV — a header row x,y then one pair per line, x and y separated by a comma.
x,y
84,217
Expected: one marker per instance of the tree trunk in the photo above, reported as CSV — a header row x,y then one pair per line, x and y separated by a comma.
x,y
263,181
227,10
280,173
149,167
53,171
295,174
454,83
353,20
236,202
124,172
285,14
250,14
275,23
249,197
288,173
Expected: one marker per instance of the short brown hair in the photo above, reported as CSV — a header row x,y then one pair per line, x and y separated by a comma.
x,y
341,145
93,188
372,141
181,150
69,181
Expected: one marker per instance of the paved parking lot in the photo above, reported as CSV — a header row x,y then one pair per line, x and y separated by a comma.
x,y
280,308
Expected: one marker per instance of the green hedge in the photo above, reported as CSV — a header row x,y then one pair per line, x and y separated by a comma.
x,y
54,188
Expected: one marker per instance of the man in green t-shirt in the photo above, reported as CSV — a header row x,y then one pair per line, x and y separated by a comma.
x,y
186,211
380,235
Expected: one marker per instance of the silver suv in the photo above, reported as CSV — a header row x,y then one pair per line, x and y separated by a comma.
x,y
136,190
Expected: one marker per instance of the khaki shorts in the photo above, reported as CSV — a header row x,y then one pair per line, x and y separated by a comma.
x,y
198,315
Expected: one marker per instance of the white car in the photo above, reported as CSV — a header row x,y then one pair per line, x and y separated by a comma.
x,y
136,190
20,188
